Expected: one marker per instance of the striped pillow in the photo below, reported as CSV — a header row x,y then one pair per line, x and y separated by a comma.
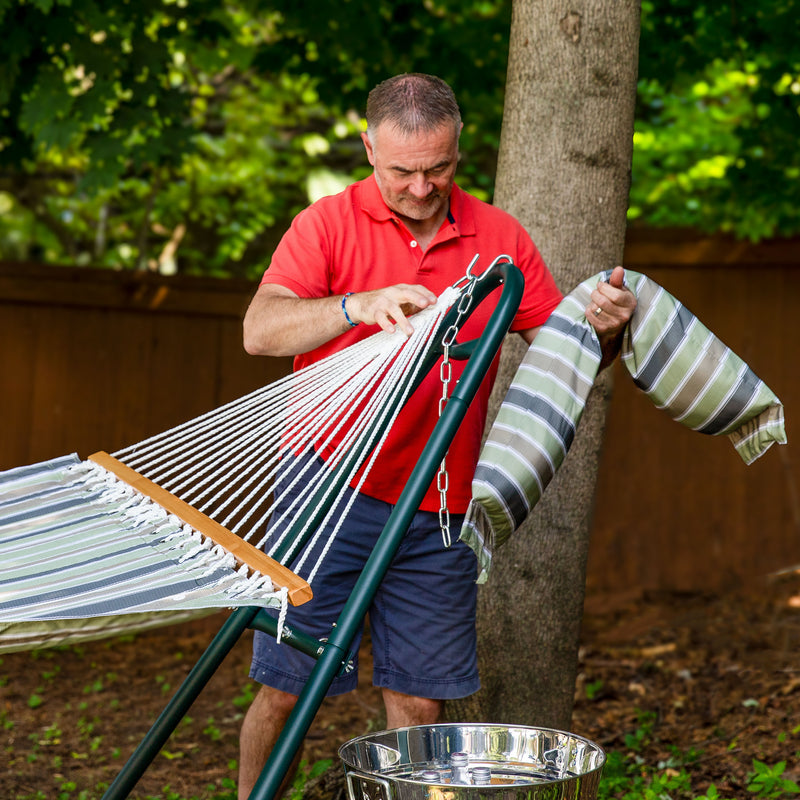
x,y
681,366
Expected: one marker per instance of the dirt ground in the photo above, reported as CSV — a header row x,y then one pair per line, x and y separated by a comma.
x,y
716,674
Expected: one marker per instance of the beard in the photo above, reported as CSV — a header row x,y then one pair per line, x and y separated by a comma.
x,y
414,208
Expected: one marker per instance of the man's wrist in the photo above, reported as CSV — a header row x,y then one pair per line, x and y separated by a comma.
x,y
344,310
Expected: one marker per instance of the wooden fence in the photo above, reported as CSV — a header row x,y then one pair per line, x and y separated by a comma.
x,y
98,360
93,360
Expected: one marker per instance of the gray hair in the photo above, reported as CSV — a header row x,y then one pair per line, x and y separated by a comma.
x,y
411,103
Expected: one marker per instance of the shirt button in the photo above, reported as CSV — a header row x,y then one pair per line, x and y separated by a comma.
x,y
413,242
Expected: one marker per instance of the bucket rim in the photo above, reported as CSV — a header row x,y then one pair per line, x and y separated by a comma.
x,y
372,735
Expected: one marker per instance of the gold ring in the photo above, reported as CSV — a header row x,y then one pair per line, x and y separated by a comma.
x,y
598,311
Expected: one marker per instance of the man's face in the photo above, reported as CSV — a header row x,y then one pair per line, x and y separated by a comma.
x,y
414,173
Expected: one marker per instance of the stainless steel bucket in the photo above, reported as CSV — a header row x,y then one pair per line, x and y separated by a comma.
x,y
524,764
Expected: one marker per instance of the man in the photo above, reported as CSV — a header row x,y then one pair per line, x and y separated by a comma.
x,y
372,256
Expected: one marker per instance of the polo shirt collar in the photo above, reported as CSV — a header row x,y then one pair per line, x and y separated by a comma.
x,y
461,216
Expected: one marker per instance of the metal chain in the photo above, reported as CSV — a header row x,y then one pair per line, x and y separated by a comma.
x,y
446,376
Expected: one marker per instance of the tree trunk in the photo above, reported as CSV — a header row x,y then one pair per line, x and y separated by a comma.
x,y
564,172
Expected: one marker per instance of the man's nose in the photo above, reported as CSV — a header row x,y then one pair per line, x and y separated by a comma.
x,y
420,186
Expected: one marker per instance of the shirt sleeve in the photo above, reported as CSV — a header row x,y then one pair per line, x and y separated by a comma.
x,y
301,260
541,295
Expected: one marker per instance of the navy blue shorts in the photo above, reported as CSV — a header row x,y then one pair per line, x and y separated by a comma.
x,y
421,622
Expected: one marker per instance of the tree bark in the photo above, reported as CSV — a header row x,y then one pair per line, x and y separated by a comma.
x,y
564,172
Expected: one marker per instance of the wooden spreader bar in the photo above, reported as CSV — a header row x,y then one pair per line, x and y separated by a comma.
x,y
299,591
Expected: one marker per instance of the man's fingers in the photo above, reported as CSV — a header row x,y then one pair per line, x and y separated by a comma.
x,y
612,304
612,292
389,317
401,322
385,323
390,307
617,279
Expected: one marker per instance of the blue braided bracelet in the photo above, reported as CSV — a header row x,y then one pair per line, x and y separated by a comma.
x,y
346,315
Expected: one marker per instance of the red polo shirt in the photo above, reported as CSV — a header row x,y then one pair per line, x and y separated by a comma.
x,y
353,242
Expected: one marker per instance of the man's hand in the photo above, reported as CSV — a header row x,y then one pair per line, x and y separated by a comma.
x,y
279,323
390,307
611,307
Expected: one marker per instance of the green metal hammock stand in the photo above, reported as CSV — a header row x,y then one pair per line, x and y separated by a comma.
x,y
333,654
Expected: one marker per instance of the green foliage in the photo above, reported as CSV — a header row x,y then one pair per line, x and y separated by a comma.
x,y
305,773
77,74
593,689
133,134
628,775
718,118
246,696
769,782
624,779
642,735
184,136
35,700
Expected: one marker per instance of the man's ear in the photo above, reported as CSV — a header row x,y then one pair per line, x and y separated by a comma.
x,y
368,146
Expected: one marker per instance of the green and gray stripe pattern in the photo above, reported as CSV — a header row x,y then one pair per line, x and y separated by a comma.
x,y
79,544
680,365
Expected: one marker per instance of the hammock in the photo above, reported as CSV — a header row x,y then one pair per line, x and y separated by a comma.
x,y
167,555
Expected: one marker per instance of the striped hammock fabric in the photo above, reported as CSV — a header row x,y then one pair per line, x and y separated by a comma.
x,y
77,545
680,365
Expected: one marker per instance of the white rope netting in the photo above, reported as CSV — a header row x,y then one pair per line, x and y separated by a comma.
x,y
225,463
